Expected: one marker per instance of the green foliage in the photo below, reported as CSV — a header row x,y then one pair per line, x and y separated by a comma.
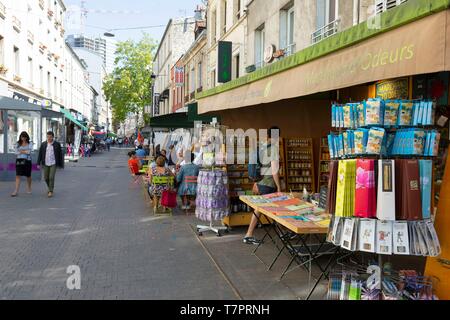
x,y
128,87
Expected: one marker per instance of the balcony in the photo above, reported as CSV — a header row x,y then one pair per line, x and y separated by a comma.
x,y
384,5
30,37
17,25
326,31
41,4
2,10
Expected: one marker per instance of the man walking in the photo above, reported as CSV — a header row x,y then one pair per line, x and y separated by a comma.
x,y
50,157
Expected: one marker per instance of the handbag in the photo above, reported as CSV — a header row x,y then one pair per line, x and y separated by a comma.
x,y
169,199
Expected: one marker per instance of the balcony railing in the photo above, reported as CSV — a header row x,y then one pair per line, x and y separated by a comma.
x,y
17,25
41,4
383,5
326,31
289,50
2,10
30,37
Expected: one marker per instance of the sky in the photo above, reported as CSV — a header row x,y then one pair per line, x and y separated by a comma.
x,y
112,14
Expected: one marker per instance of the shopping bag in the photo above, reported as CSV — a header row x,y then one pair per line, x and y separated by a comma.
x,y
169,199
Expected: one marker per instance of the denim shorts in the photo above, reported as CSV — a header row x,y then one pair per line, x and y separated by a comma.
x,y
265,189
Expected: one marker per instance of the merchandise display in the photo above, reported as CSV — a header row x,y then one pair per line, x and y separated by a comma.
x,y
383,205
324,164
300,164
212,202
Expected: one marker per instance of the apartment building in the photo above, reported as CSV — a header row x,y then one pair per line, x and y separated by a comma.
x,y
227,21
31,51
177,38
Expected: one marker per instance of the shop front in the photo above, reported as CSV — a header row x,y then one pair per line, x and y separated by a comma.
x,y
17,116
406,62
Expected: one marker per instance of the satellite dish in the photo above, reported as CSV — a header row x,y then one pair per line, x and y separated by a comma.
x,y
269,53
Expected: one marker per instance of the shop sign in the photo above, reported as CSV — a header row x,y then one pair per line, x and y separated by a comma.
x,y
224,61
179,76
393,89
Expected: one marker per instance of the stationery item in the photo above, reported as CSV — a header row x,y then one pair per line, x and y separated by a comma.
x,y
365,194
332,186
384,237
360,140
436,249
374,112
360,110
347,236
366,238
345,194
407,186
391,112
400,238
386,190
355,289
406,113
347,116
426,168
375,140
333,116
331,146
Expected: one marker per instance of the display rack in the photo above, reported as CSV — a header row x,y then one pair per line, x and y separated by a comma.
x,y
299,164
324,163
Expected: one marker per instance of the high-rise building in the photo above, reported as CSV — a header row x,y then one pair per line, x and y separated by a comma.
x,y
105,47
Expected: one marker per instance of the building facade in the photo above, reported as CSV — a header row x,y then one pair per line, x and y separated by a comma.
x,y
31,51
177,38
103,46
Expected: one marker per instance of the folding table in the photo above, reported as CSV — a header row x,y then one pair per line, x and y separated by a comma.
x,y
303,230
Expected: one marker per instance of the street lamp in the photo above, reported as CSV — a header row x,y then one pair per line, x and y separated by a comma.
x,y
109,34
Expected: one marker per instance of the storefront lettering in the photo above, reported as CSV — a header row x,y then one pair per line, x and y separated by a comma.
x,y
393,56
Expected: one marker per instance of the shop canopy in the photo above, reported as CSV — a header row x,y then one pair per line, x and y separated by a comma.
x,y
408,40
69,116
112,135
194,116
172,121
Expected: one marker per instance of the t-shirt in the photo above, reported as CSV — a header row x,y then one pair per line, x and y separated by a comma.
x,y
133,165
140,153
266,167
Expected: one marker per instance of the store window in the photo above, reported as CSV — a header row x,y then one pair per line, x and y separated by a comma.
x,y
327,20
19,121
52,124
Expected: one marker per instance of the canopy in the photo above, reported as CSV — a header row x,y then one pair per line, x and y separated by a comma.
x,y
112,135
172,121
69,116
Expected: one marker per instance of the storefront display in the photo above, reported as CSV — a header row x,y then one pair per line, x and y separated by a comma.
x,y
300,164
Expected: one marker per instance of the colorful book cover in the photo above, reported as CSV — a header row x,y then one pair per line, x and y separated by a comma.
x,y
375,140
374,112
426,168
406,113
391,113
386,190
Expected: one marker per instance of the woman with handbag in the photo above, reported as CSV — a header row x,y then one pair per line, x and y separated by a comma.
x,y
23,161
160,170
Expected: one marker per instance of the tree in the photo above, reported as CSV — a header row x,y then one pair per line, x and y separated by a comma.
x,y
128,87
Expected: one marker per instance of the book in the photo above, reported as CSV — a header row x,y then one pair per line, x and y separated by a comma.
x,y
408,195
347,234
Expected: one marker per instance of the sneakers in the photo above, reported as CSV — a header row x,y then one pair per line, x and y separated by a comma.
x,y
251,240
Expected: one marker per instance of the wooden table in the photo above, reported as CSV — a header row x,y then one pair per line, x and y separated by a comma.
x,y
303,229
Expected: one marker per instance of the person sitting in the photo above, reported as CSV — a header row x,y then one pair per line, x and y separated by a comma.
x,y
187,179
140,153
160,170
134,164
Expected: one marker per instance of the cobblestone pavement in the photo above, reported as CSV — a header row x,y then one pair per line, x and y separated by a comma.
x,y
99,222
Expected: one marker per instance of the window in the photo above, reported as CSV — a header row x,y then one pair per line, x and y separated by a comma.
x,y
214,26
326,19
41,78
224,17
236,66
237,5
19,121
2,50
16,61
30,71
259,46
199,76
287,19
192,80
49,90
213,78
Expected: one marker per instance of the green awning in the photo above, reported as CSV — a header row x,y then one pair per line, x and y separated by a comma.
x,y
172,121
69,116
112,135
194,116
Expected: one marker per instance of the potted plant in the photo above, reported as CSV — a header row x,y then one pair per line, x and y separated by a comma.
x,y
250,69
3,69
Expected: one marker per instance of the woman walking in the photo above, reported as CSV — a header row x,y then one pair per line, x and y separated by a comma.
x,y
23,162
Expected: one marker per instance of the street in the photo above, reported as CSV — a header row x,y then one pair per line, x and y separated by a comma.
x,y
98,220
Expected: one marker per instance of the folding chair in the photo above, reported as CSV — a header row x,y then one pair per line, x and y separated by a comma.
x,y
166,182
190,181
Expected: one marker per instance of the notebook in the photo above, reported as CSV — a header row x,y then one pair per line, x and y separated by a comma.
x,y
408,195
366,239
365,194
332,184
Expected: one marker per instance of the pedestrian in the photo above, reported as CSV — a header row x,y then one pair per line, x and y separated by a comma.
x,y
108,144
187,179
270,183
50,157
23,161
140,154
